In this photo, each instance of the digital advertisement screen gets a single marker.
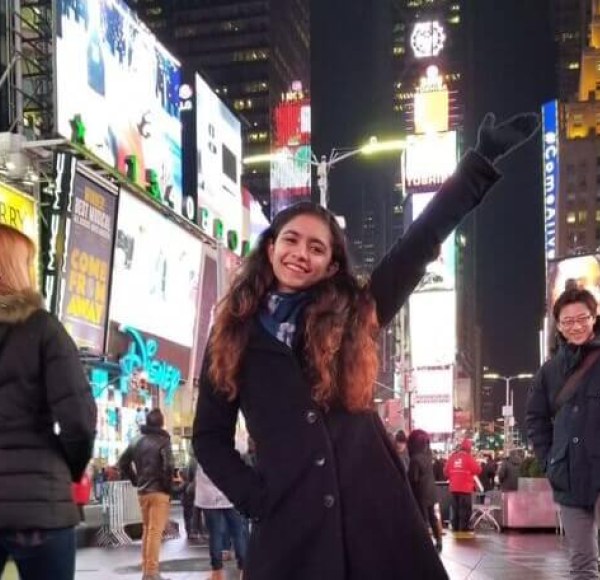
(430, 160)
(219, 146)
(155, 273)
(441, 273)
(291, 170)
(88, 262)
(551, 133)
(432, 328)
(124, 85)
(433, 409)
(18, 211)
(579, 271)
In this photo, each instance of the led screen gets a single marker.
(156, 269)
(432, 408)
(124, 86)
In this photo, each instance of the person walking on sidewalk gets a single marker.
(563, 424)
(223, 522)
(294, 346)
(422, 482)
(42, 387)
(461, 470)
(148, 464)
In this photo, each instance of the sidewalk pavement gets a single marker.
(488, 556)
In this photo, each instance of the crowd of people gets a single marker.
(293, 347)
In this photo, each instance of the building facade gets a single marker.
(249, 51)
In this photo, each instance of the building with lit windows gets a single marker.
(571, 20)
(572, 158)
(250, 52)
(428, 32)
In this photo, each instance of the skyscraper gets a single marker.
(249, 51)
(571, 20)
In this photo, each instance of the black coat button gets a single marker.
(328, 501)
(311, 416)
(575, 440)
(320, 461)
(575, 409)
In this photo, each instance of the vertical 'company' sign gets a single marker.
(551, 175)
(88, 263)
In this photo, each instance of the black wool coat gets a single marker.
(567, 442)
(42, 383)
(420, 476)
(329, 494)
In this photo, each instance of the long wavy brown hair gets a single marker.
(340, 324)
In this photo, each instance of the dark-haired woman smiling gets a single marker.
(294, 347)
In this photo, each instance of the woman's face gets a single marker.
(301, 254)
(576, 323)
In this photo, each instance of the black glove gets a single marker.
(496, 141)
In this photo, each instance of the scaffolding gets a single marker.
(30, 68)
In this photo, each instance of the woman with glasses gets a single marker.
(563, 422)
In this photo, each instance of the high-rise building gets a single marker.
(249, 51)
(572, 157)
(571, 19)
(428, 32)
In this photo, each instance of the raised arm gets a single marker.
(213, 440)
(401, 269)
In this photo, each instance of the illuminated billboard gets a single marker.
(432, 328)
(18, 211)
(440, 273)
(124, 86)
(88, 263)
(578, 271)
(430, 160)
(550, 129)
(291, 170)
(214, 173)
(427, 39)
(155, 283)
(432, 103)
(432, 406)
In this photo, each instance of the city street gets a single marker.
(489, 556)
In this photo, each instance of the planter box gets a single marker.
(531, 506)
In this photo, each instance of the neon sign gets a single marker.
(551, 175)
(140, 357)
(427, 39)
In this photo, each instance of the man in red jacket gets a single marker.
(461, 470)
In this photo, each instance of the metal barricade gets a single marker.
(119, 507)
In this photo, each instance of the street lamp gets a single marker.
(324, 163)
(507, 411)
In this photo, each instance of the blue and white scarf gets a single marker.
(281, 314)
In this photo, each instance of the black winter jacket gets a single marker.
(567, 444)
(42, 386)
(420, 476)
(329, 492)
(148, 461)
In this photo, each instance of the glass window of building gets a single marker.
(571, 218)
(582, 216)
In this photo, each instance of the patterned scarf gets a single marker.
(281, 314)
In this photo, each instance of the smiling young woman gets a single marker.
(294, 348)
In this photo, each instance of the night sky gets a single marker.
(510, 68)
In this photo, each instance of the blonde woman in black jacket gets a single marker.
(47, 423)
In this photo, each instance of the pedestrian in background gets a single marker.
(563, 423)
(400, 440)
(223, 522)
(48, 423)
(148, 464)
(439, 463)
(294, 346)
(422, 482)
(461, 470)
(488, 473)
(510, 471)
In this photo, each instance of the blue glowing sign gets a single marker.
(551, 175)
(140, 357)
